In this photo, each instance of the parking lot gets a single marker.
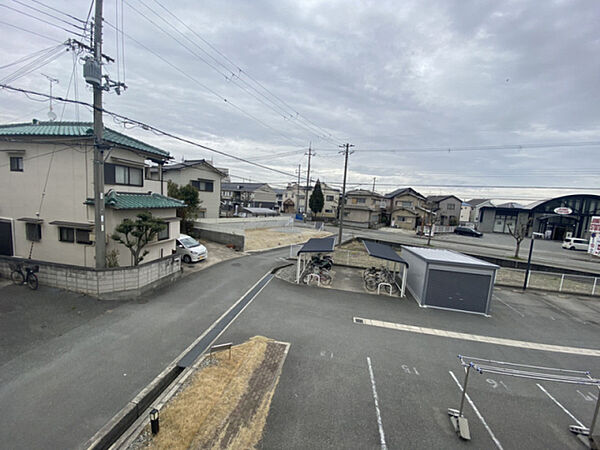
(337, 367)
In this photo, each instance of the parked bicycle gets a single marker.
(28, 277)
(373, 277)
(320, 266)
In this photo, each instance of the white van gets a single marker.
(575, 244)
(190, 249)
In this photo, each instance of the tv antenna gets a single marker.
(51, 114)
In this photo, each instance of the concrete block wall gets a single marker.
(116, 283)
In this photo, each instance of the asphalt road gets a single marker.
(325, 395)
(491, 244)
(59, 390)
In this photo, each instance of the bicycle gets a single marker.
(18, 277)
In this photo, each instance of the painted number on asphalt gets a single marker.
(495, 384)
(409, 370)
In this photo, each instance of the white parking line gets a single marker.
(379, 422)
(506, 304)
(559, 405)
(480, 338)
(487, 427)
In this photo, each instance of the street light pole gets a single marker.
(533, 236)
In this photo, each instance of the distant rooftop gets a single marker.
(84, 130)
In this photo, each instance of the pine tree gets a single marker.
(316, 200)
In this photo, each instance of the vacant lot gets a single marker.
(263, 238)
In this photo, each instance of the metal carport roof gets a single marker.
(383, 251)
(318, 245)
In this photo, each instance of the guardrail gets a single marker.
(550, 281)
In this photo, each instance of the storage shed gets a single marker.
(446, 279)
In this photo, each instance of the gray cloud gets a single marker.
(381, 75)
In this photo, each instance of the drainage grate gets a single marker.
(357, 320)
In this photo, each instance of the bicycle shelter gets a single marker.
(314, 245)
(569, 376)
(387, 253)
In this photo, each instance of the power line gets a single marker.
(228, 76)
(42, 20)
(481, 148)
(49, 15)
(239, 70)
(29, 31)
(146, 126)
(58, 11)
(212, 91)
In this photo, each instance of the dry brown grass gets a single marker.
(195, 417)
(262, 238)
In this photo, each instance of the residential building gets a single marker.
(254, 195)
(405, 208)
(46, 192)
(363, 208)
(203, 176)
(476, 205)
(465, 213)
(279, 196)
(331, 198)
(447, 208)
(557, 218)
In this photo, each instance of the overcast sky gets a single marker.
(407, 76)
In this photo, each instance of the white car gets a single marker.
(190, 249)
(575, 244)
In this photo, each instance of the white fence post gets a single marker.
(562, 280)
(594, 286)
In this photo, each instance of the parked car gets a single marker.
(466, 231)
(575, 244)
(190, 249)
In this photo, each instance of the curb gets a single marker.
(127, 416)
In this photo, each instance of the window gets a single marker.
(407, 204)
(16, 164)
(164, 234)
(361, 200)
(329, 198)
(117, 174)
(450, 206)
(83, 236)
(329, 211)
(33, 231)
(66, 234)
(400, 218)
(203, 185)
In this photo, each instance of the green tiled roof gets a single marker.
(138, 200)
(79, 129)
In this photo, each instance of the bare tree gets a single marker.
(519, 233)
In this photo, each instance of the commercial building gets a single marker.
(556, 218)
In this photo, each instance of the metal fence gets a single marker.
(559, 282)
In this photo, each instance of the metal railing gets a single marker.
(551, 281)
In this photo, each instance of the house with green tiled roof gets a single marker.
(46, 183)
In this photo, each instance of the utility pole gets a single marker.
(307, 179)
(99, 223)
(346, 151)
(374, 178)
(298, 192)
